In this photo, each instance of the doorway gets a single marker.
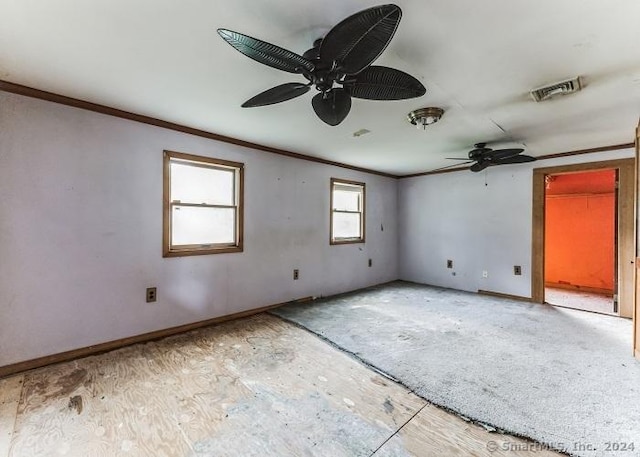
(580, 240)
(615, 281)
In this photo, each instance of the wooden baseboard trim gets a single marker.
(501, 295)
(143, 338)
(592, 290)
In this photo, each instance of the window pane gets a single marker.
(346, 225)
(192, 184)
(195, 225)
(346, 200)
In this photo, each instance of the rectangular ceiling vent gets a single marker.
(561, 88)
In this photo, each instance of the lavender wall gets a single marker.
(81, 227)
(481, 221)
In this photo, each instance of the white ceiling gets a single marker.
(478, 61)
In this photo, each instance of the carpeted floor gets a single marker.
(559, 376)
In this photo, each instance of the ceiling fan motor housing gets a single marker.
(479, 152)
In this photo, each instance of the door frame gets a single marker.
(625, 239)
(636, 298)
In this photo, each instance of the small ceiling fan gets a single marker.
(485, 157)
(342, 58)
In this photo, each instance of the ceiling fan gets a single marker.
(485, 157)
(342, 58)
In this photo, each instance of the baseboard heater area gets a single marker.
(568, 286)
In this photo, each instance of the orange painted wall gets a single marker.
(580, 229)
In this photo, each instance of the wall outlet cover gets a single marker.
(152, 294)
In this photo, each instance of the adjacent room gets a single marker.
(579, 208)
(337, 228)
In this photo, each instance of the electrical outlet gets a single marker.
(152, 294)
(485, 274)
(296, 274)
(449, 263)
(370, 263)
(517, 270)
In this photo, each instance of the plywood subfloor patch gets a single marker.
(254, 387)
(435, 432)
(10, 389)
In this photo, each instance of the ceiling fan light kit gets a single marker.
(342, 58)
(425, 116)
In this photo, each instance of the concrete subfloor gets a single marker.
(258, 386)
(577, 299)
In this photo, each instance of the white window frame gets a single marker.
(358, 187)
(170, 250)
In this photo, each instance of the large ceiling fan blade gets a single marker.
(515, 159)
(479, 166)
(277, 94)
(452, 166)
(358, 40)
(266, 53)
(333, 106)
(500, 154)
(384, 83)
(459, 158)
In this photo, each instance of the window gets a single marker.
(202, 205)
(347, 211)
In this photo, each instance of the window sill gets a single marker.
(206, 251)
(346, 241)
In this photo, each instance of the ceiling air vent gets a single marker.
(561, 88)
